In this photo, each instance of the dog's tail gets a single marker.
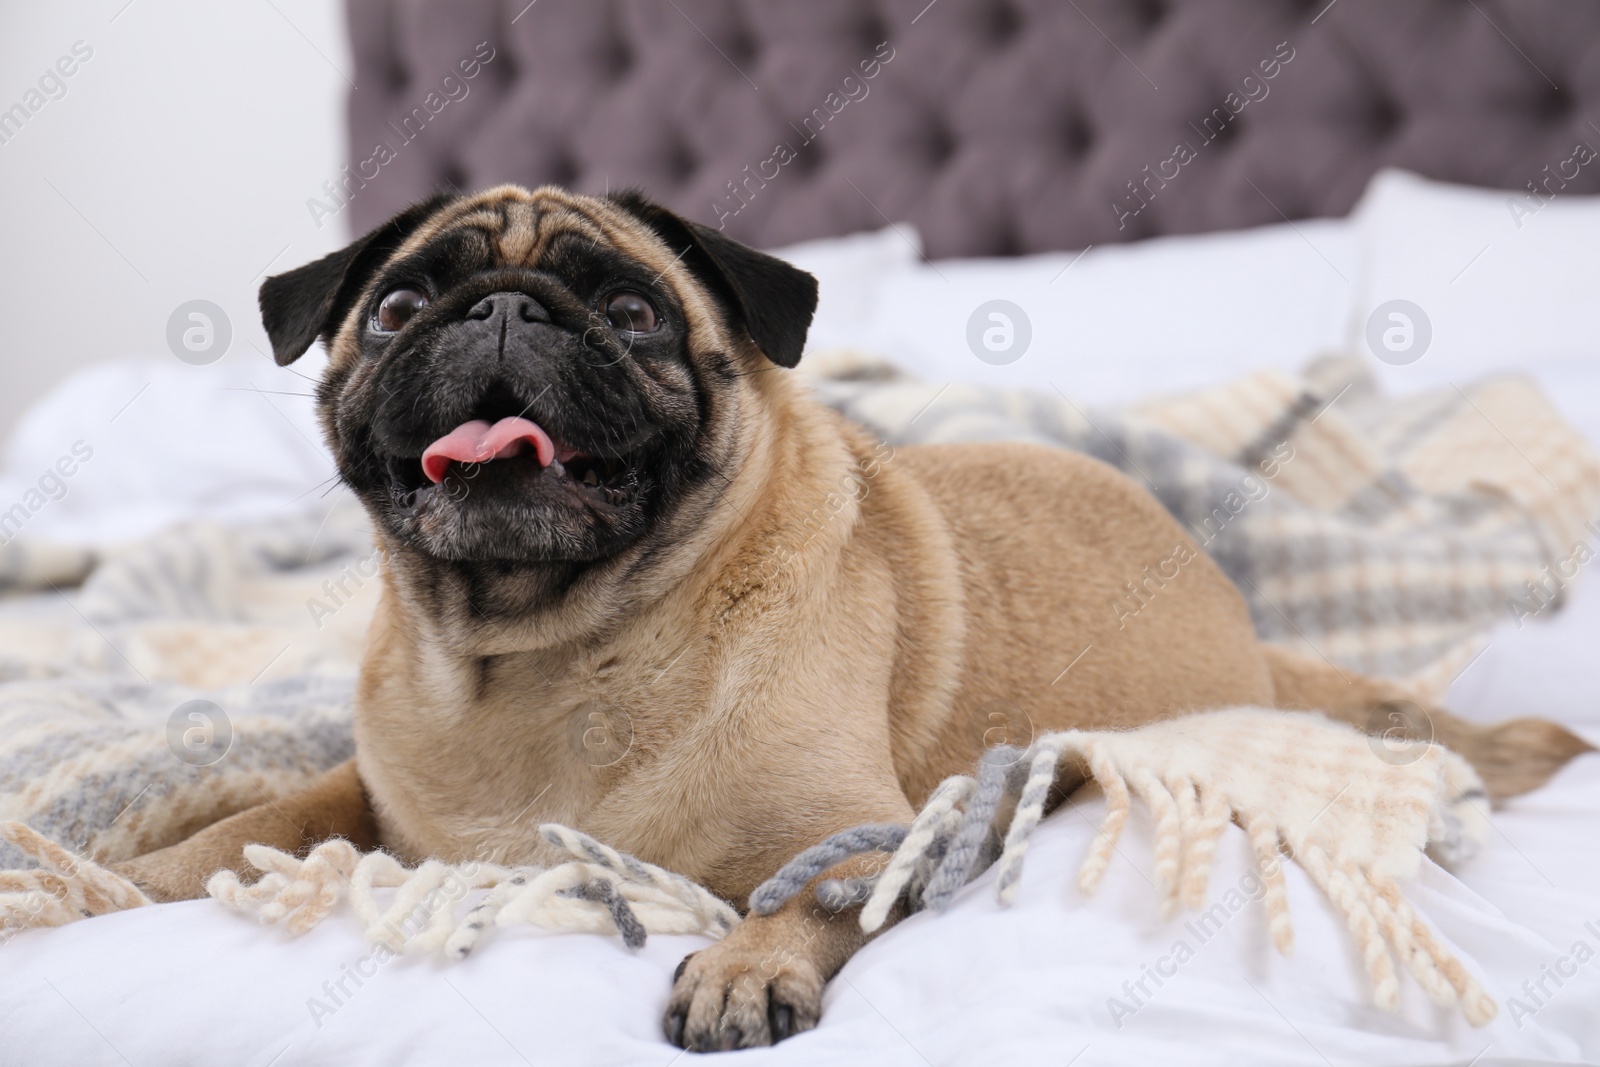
(1512, 757)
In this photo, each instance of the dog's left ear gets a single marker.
(771, 300)
(313, 300)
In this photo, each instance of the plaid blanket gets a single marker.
(1387, 535)
(146, 689)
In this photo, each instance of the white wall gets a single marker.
(181, 156)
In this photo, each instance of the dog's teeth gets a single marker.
(590, 477)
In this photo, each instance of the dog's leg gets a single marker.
(1512, 757)
(763, 982)
(335, 805)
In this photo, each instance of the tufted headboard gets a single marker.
(995, 126)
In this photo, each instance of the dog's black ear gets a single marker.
(772, 300)
(313, 300)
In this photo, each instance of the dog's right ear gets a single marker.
(311, 301)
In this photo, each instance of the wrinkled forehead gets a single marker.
(514, 227)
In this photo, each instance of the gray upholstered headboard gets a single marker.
(995, 126)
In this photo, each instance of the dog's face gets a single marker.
(536, 378)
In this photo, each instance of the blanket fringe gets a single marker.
(66, 888)
(600, 890)
(944, 847)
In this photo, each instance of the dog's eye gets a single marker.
(627, 310)
(398, 308)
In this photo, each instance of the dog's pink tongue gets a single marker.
(479, 442)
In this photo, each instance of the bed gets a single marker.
(999, 150)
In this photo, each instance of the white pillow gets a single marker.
(152, 441)
(1503, 280)
(848, 272)
(1114, 323)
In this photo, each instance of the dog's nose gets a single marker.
(508, 305)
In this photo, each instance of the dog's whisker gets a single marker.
(275, 392)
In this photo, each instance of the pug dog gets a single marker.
(608, 511)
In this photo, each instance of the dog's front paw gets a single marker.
(736, 994)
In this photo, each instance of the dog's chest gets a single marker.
(465, 760)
